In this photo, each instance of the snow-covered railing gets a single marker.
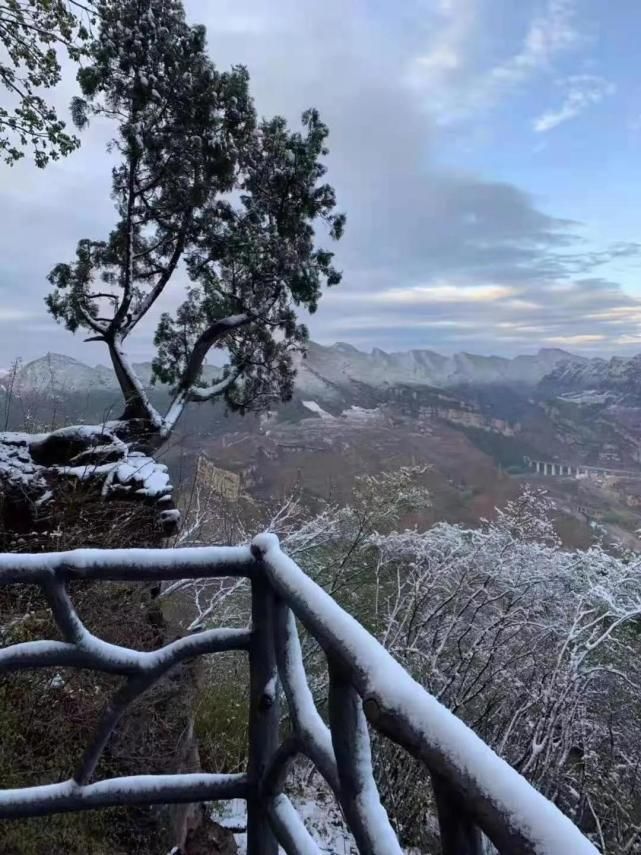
(475, 790)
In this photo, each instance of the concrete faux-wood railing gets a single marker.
(475, 790)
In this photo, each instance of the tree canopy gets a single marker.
(206, 187)
(31, 33)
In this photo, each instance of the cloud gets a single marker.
(8, 315)
(444, 294)
(581, 92)
(593, 315)
(433, 256)
(573, 340)
(458, 82)
(549, 34)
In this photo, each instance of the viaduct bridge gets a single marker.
(562, 469)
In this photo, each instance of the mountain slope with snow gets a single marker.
(327, 371)
(618, 377)
(62, 374)
(342, 364)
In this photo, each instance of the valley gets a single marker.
(475, 422)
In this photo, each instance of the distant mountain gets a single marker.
(57, 373)
(618, 378)
(336, 371)
(342, 364)
(62, 374)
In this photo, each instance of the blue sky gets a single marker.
(486, 153)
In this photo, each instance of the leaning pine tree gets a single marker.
(203, 187)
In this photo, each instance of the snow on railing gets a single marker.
(475, 790)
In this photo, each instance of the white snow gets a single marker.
(132, 472)
(386, 681)
(283, 810)
(57, 681)
(140, 564)
(301, 703)
(589, 396)
(269, 692)
(144, 474)
(360, 413)
(109, 791)
(316, 408)
(16, 465)
(104, 656)
(317, 810)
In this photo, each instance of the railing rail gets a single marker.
(474, 789)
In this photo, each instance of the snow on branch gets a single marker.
(83, 649)
(194, 393)
(508, 809)
(366, 683)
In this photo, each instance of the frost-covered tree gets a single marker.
(535, 647)
(205, 187)
(31, 34)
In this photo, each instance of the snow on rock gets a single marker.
(590, 396)
(17, 468)
(57, 681)
(326, 369)
(32, 464)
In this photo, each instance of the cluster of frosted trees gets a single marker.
(535, 647)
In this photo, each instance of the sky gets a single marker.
(486, 153)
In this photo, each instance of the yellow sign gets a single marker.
(219, 481)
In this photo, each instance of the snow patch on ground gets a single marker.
(317, 809)
(590, 396)
(360, 413)
(316, 408)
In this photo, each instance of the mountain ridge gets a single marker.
(342, 364)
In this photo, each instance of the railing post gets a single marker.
(459, 834)
(263, 715)
(365, 815)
